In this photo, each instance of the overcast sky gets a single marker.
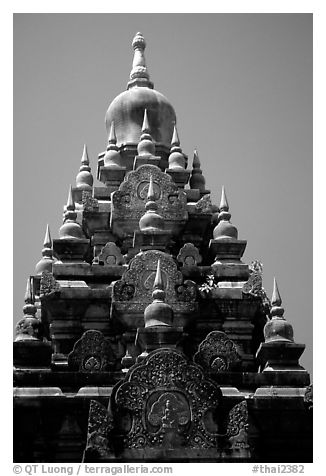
(241, 86)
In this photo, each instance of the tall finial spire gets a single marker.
(112, 157)
(197, 180)
(146, 145)
(276, 301)
(45, 263)
(84, 179)
(151, 220)
(277, 328)
(176, 157)
(70, 228)
(224, 229)
(139, 75)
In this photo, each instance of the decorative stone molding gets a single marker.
(48, 284)
(217, 353)
(111, 255)
(189, 255)
(204, 205)
(91, 353)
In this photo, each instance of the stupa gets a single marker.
(145, 335)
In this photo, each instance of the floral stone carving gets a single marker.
(48, 284)
(189, 255)
(99, 426)
(167, 398)
(204, 205)
(134, 291)
(237, 428)
(217, 353)
(91, 353)
(128, 203)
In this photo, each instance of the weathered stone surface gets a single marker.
(91, 353)
(111, 255)
(217, 353)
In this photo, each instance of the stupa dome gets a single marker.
(127, 109)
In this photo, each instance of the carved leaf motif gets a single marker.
(48, 284)
(91, 353)
(238, 419)
(217, 352)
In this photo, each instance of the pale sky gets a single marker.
(241, 86)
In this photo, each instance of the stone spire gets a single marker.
(224, 229)
(146, 145)
(277, 329)
(176, 157)
(28, 328)
(45, 263)
(159, 313)
(139, 75)
(84, 179)
(151, 220)
(197, 180)
(112, 156)
(70, 229)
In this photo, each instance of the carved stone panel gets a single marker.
(111, 255)
(133, 292)
(168, 399)
(128, 203)
(91, 353)
(237, 429)
(189, 255)
(217, 353)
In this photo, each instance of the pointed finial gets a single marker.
(70, 201)
(276, 301)
(151, 221)
(84, 179)
(29, 298)
(151, 193)
(112, 135)
(146, 145)
(45, 263)
(112, 157)
(176, 157)
(158, 287)
(175, 138)
(197, 180)
(70, 228)
(224, 229)
(139, 75)
(85, 159)
(277, 328)
(47, 239)
(224, 206)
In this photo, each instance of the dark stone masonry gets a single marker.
(145, 336)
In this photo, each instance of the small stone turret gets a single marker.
(46, 262)
(224, 229)
(84, 179)
(197, 180)
(70, 229)
(146, 146)
(112, 157)
(29, 348)
(279, 352)
(177, 161)
(139, 75)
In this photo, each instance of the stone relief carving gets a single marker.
(136, 286)
(110, 255)
(308, 397)
(99, 426)
(48, 284)
(237, 427)
(90, 203)
(254, 285)
(189, 255)
(91, 353)
(167, 397)
(128, 203)
(204, 205)
(217, 352)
